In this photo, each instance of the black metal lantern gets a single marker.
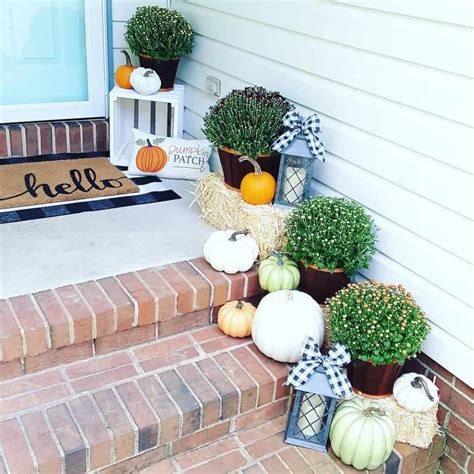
(313, 409)
(295, 173)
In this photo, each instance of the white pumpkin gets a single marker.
(230, 251)
(145, 81)
(415, 392)
(283, 320)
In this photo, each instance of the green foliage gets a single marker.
(155, 141)
(378, 323)
(331, 233)
(248, 120)
(160, 33)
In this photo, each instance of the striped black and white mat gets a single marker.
(152, 190)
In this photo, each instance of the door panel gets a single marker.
(51, 59)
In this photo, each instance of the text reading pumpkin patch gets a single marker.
(169, 157)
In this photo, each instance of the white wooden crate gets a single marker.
(160, 114)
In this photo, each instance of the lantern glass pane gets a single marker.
(312, 418)
(294, 179)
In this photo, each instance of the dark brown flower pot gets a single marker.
(234, 171)
(166, 70)
(321, 284)
(374, 381)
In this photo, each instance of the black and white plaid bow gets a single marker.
(332, 362)
(310, 128)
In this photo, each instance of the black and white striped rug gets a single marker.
(152, 190)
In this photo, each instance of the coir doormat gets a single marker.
(134, 190)
(45, 182)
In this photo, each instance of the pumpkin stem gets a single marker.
(148, 73)
(128, 61)
(256, 166)
(374, 411)
(148, 142)
(420, 382)
(233, 237)
(279, 256)
(240, 304)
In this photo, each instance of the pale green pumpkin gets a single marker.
(362, 434)
(278, 272)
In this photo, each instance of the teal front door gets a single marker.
(52, 59)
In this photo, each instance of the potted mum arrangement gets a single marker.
(331, 238)
(159, 37)
(382, 326)
(246, 122)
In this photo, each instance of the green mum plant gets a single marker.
(160, 33)
(378, 323)
(331, 233)
(247, 121)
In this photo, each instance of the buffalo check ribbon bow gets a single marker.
(332, 363)
(309, 127)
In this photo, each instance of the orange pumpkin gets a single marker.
(123, 72)
(235, 318)
(151, 158)
(258, 187)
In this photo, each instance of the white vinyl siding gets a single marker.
(393, 85)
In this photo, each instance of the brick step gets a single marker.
(122, 411)
(44, 138)
(78, 321)
(261, 449)
(167, 396)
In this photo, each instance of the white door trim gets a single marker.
(95, 106)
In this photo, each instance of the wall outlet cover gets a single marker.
(213, 85)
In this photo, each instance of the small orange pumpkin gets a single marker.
(258, 187)
(235, 318)
(123, 72)
(151, 158)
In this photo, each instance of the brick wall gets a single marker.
(42, 138)
(455, 415)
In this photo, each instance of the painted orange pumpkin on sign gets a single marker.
(151, 158)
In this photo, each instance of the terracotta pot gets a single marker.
(321, 283)
(373, 381)
(234, 171)
(166, 70)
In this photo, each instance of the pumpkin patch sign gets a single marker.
(169, 157)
